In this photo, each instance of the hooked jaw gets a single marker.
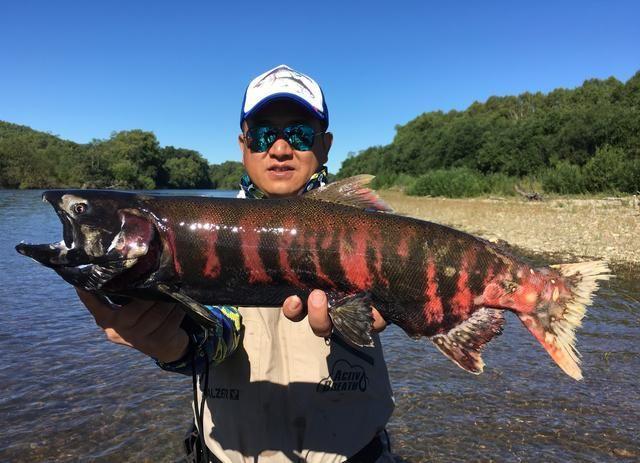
(50, 255)
(91, 255)
(53, 254)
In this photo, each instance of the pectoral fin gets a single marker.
(463, 343)
(351, 317)
(193, 308)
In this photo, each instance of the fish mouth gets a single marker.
(67, 229)
(64, 253)
(134, 253)
(53, 198)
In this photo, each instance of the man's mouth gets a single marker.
(280, 168)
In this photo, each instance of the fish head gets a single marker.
(104, 233)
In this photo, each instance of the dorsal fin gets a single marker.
(463, 343)
(352, 191)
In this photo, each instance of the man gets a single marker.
(292, 391)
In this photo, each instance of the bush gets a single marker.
(610, 170)
(500, 184)
(453, 183)
(564, 178)
(384, 180)
(405, 181)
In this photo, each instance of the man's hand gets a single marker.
(318, 313)
(152, 327)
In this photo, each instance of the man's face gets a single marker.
(282, 171)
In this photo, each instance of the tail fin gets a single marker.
(554, 321)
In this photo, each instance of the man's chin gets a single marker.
(281, 192)
(278, 184)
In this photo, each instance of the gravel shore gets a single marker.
(568, 228)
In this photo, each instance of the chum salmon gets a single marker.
(429, 279)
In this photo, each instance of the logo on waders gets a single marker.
(223, 393)
(344, 377)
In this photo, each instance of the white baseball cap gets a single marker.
(284, 82)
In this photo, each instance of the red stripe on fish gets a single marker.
(462, 300)
(490, 273)
(249, 242)
(326, 241)
(212, 265)
(432, 308)
(403, 246)
(286, 241)
(171, 241)
(375, 240)
(353, 259)
(311, 243)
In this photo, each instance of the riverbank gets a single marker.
(565, 227)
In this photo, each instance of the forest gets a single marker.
(569, 141)
(128, 159)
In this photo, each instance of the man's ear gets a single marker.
(327, 140)
(242, 145)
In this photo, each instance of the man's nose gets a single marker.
(280, 149)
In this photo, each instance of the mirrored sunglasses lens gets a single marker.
(261, 138)
(300, 137)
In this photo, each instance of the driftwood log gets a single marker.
(533, 196)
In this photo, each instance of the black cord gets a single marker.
(199, 409)
(388, 439)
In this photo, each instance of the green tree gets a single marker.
(183, 168)
(133, 157)
(530, 134)
(226, 176)
(186, 173)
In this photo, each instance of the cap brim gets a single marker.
(284, 96)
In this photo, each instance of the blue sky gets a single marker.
(84, 69)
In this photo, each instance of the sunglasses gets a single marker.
(299, 136)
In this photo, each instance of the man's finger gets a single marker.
(102, 312)
(114, 336)
(318, 310)
(153, 318)
(379, 323)
(130, 314)
(293, 309)
(170, 324)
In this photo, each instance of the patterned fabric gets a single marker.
(214, 344)
(251, 191)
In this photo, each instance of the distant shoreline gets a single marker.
(598, 228)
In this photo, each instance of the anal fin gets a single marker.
(351, 317)
(463, 343)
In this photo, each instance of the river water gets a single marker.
(66, 394)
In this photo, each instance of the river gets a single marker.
(68, 395)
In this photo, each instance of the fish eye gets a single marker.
(79, 208)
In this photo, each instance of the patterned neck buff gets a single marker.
(249, 190)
